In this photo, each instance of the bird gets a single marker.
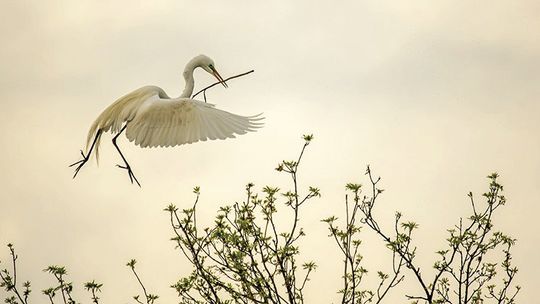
(150, 118)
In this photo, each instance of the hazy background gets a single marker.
(434, 95)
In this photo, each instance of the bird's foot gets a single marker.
(130, 173)
(79, 163)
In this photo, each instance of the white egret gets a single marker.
(151, 118)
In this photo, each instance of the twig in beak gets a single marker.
(221, 81)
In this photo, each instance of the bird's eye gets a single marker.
(211, 66)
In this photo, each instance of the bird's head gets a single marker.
(209, 66)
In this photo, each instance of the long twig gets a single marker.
(212, 85)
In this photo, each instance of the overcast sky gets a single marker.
(434, 95)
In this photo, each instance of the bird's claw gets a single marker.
(130, 173)
(80, 163)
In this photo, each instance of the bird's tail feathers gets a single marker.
(94, 133)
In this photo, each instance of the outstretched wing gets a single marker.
(172, 122)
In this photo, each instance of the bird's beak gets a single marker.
(216, 74)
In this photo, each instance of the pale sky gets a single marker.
(434, 95)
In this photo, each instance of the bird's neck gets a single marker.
(190, 82)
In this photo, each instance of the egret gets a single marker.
(152, 119)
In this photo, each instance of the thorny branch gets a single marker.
(244, 258)
(93, 287)
(9, 281)
(461, 274)
(149, 298)
(65, 288)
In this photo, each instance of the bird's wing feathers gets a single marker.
(123, 109)
(171, 122)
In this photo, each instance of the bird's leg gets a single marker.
(126, 164)
(85, 158)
